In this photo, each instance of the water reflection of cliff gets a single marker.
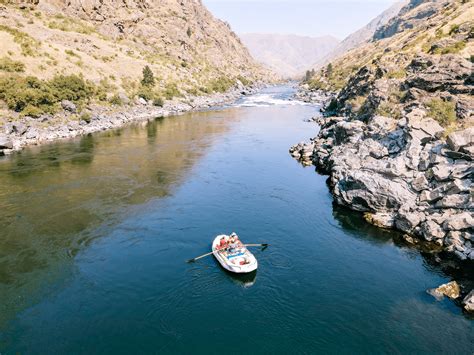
(54, 198)
(440, 263)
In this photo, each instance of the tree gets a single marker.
(329, 69)
(308, 76)
(148, 77)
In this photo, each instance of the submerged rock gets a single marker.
(451, 290)
(468, 302)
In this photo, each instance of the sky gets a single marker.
(338, 18)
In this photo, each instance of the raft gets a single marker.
(238, 260)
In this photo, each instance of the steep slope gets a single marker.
(288, 55)
(363, 35)
(399, 140)
(110, 42)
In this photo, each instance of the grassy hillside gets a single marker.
(423, 59)
(53, 48)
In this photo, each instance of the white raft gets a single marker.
(239, 260)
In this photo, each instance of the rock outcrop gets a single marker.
(395, 169)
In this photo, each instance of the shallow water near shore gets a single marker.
(95, 231)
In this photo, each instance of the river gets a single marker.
(95, 231)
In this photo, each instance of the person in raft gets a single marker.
(234, 242)
(222, 244)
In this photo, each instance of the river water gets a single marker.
(95, 231)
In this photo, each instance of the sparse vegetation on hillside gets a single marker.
(68, 24)
(11, 66)
(28, 44)
(157, 60)
(442, 111)
(389, 77)
(221, 84)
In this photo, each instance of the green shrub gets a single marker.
(221, 84)
(86, 117)
(454, 48)
(244, 80)
(158, 102)
(32, 96)
(454, 29)
(171, 90)
(397, 74)
(71, 53)
(71, 87)
(148, 77)
(388, 109)
(27, 94)
(11, 66)
(116, 100)
(146, 93)
(442, 111)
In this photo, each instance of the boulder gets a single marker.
(124, 98)
(382, 220)
(432, 230)
(441, 172)
(420, 135)
(454, 201)
(68, 106)
(19, 128)
(368, 191)
(459, 221)
(458, 186)
(5, 142)
(31, 133)
(451, 289)
(348, 131)
(468, 302)
(408, 219)
(427, 125)
(469, 150)
(460, 139)
(457, 155)
(454, 238)
(419, 183)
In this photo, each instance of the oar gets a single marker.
(264, 245)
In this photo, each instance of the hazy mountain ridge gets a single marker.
(288, 55)
(362, 35)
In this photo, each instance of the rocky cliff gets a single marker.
(397, 138)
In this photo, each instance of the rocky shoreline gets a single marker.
(402, 174)
(27, 131)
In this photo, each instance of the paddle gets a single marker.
(264, 245)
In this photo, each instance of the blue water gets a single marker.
(94, 234)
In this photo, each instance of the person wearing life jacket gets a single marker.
(234, 242)
(222, 244)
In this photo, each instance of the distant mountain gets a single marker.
(362, 35)
(288, 55)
